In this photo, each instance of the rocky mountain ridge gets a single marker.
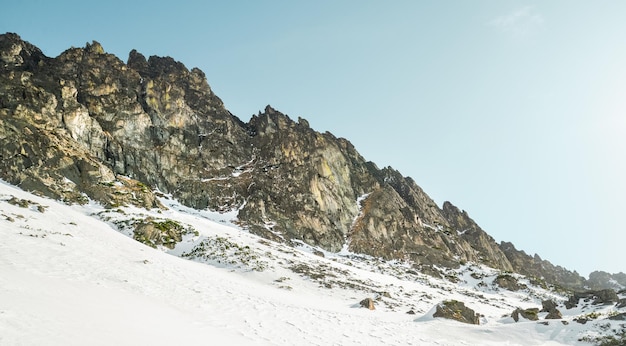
(87, 125)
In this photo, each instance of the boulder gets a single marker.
(367, 303)
(529, 314)
(456, 310)
(508, 282)
(604, 297)
(571, 302)
(165, 232)
(318, 253)
(554, 315)
(549, 306)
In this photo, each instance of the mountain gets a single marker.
(68, 277)
(87, 126)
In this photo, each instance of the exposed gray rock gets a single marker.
(367, 303)
(529, 314)
(540, 270)
(601, 280)
(581, 320)
(554, 315)
(456, 310)
(548, 305)
(604, 297)
(619, 317)
(160, 232)
(318, 253)
(474, 235)
(508, 282)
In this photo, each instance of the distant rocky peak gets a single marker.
(269, 110)
(157, 66)
(163, 66)
(94, 48)
(451, 208)
(459, 219)
(271, 121)
(15, 52)
(169, 76)
(138, 62)
(601, 279)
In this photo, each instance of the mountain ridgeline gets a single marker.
(87, 125)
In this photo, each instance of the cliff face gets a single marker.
(86, 123)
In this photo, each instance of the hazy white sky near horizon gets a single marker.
(512, 110)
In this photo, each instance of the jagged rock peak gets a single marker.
(94, 47)
(16, 52)
(459, 219)
(270, 110)
(601, 279)
(451, 208)
(155, 66)
(198, 93)
(138, 62)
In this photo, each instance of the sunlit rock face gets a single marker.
(88, 125)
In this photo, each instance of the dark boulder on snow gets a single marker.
(554, 315)
(604, 297)
(508, 282)
(549, 306)
(367, 303)
(529, 314)
(456, 310)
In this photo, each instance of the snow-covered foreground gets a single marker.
(68, 277)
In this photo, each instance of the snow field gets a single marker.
(69, 278)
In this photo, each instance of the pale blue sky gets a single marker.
(513, 110)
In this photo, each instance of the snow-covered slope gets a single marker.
(70, 275)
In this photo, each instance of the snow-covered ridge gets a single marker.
(72, 275)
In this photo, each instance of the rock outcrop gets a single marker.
(541, 270)
(367, 303)
(618, 317)
(601, 280)
(601, 297)
(456, 310)
(508, 282)
(550, 307)
(529, 314)
(87, 125)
